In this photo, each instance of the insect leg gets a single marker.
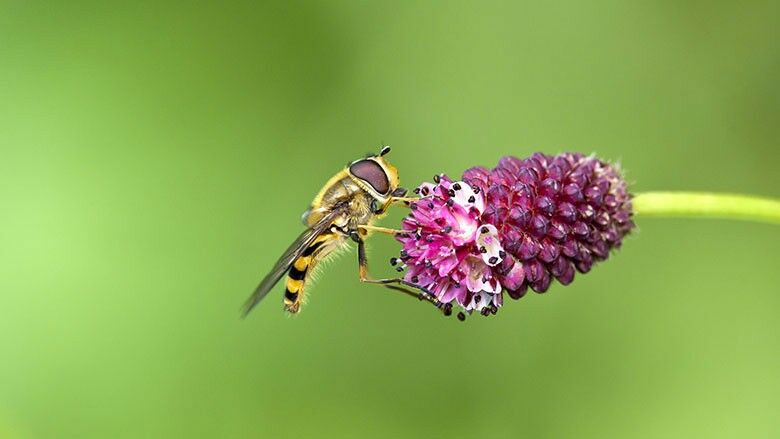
(405, 200)
(399, 196)
(366, 228)
(396, 284)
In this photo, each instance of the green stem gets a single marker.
(703, 204)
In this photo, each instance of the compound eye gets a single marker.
(373, 174)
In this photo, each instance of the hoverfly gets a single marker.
(345, 208)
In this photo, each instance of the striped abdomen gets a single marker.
(301, 269)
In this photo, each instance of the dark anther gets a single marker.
(456, 186)
(457, 284)
(399, 268)
(447, 309)
(393, 261)
(472, 199)
(493, 260)
(501, 254)
(424, 191)
(415, 279)
(482, 249)
(417, 191)
(447, 229)
(450, 202)
(413, 206)
(493, 308)
(437, 178)
(430, 205)
(485, 311)
(404, 254)
(428, 264)
(476, 190)
(400, 192)
(429, 238)
(461, 316)
(484, 279)
(418, 235)
(477, 298)
(451, 193)
(484, 229)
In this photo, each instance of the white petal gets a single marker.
(426, 189)
(487, 239)
(467, 197)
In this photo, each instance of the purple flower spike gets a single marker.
(517, 226)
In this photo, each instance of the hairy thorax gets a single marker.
(344, 193)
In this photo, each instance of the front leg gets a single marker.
(365, 229)
(405, 200)
(399, 196)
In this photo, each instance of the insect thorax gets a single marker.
(338, 192)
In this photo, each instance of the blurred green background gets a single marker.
(155, 159)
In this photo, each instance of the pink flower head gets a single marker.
(521, 224)
(449, 249)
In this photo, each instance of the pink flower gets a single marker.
(518, 225)
(450, 250)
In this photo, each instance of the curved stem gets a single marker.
(703, 204)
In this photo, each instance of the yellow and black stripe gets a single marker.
(299, 270)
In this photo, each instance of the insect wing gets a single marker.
(290, 255)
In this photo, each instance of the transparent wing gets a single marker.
(288, 257)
